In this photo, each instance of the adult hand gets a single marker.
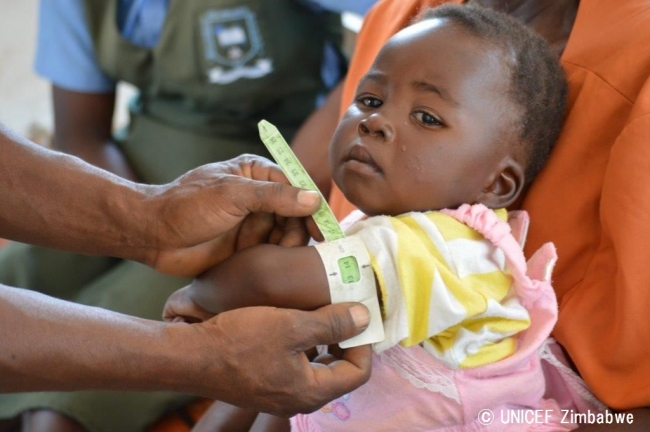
(261, 362)
(252, 357)
(217, 209)
(180, 228)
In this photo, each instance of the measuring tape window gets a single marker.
(351, 279)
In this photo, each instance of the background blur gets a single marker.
(24, 97)
(25, 104)
(25, 101)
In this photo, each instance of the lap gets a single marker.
(131, 288)
(52, 272)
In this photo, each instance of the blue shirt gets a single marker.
(65, 54)
(357, 6)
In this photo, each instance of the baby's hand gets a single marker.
(180, 307)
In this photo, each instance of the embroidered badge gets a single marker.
(233, 45)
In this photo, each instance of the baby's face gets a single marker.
(428, 125)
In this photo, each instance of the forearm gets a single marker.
(84, 128)
(102, 153)
(55, 345)
(52, 199)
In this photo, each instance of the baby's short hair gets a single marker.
(537, 82)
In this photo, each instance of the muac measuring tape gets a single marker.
(346, 259)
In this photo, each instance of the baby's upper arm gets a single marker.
(265, 275)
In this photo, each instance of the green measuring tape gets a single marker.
(348, 278)
(298, 177)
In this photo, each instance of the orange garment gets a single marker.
(593, 198)
(181, 419)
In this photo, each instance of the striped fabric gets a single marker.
(443, 285)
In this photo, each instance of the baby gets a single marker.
(455, 118)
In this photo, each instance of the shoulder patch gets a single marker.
(233, 46)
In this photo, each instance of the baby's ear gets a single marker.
(504, 185)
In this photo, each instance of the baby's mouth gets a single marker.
(361, 155)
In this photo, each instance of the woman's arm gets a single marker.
(83, 124)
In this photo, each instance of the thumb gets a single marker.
(278, 198)
(332, 324)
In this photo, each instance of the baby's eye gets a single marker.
(370, 102)
(427, 119)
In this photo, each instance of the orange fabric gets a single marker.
(593, 201)
(174, 423)
(593, 198)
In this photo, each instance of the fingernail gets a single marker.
(360, 316)
(307, 198)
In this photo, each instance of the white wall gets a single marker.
(24, 97)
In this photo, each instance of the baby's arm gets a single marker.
(264, 275)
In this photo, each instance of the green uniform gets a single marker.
(220, 66)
